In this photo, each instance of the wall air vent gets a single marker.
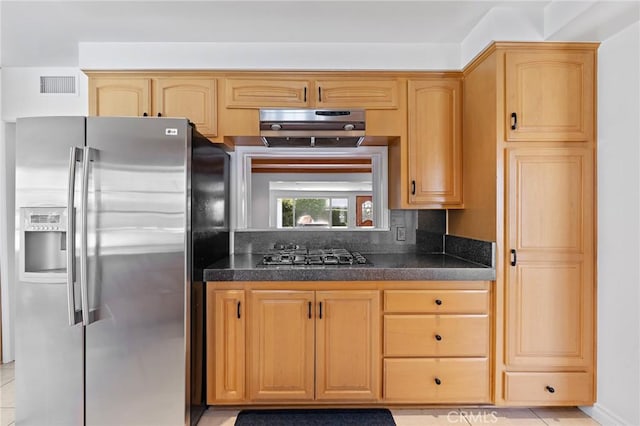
(58, 85)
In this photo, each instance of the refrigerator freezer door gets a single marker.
(137, 275)
(49, 352)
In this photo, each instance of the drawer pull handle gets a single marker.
(438, 302)
(438, 337)
(309, 311)
(550, 389)
(438, 381)
(238, 313)
(514, 121)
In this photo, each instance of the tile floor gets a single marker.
(450, 417)
(7, 401)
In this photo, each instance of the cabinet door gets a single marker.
(369, 94)
(193, 98)
(435, 147)
(121, 97)
(282, 345)
(348, 345)
(225, 345)
(550, 94)
(264, 93)
(550, 275)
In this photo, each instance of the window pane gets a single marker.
(286, 212)
(339, 211)
(311, 211)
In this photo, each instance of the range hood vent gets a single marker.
(296, 128)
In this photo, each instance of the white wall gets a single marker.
(7, 206)
(261, 56)
(21, 96)
(619, 230)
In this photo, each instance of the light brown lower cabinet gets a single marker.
(225, 346)
(436, 335)
(321, 345)
(288, 345)
(281, 348)
(436, 380)
(525, 388)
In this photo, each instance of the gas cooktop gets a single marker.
(301, 256)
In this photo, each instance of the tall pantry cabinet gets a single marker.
(529, 182)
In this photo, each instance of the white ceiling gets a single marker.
(47, 33)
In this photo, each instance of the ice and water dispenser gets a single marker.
(43, 249)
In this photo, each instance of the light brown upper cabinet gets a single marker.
(549, 95)
(265, 93)
(193, 98)
(357, 93)
(284, 92)
(435, 142)
(190, 97)
(120, 97)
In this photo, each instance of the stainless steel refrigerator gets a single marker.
(115, 220)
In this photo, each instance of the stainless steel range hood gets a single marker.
(295, 128)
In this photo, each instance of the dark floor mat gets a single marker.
(316, 417)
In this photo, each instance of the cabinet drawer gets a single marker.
(549, 388)
(436, 335)
(415, 380)
(437, 301)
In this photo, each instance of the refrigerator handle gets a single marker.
(71, 236)
(84, 255)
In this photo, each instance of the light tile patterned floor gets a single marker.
(7, 395)
(452, 417)
(410, 417)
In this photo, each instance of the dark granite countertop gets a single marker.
(384, 267)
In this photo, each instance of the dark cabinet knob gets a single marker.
(438, 302)
(438, 381)
(144, 114)
(438, 337)
(159, 114)
(413, 187)
(550, 389)
(238, 312)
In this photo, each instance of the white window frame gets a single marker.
(275, 213)
(241, 178)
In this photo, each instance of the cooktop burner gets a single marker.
(300, 256)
